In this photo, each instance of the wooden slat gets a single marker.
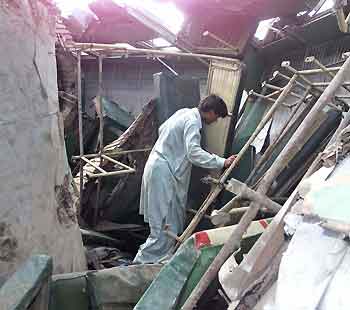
(93, 164)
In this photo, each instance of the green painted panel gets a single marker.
(166, 288)
(205, 259)
(69, 292)
(19, 291)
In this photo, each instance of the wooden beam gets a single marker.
(239, 188)
(93, 164)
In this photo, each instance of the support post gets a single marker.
(100, 134)
(81, 136)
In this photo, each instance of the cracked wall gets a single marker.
(37, 215)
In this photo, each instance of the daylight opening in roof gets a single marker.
(166, 12)
(263, 28)
(68, 6)
(160, 42)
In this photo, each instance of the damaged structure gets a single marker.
(83, 99)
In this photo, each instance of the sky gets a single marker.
(166, 12)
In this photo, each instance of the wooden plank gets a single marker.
(108, 174)
(93, 164)
(116, 162)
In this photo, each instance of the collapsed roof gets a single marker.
(210, 26)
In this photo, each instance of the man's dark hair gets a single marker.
(213, 103)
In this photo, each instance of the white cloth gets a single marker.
(308, 268)
(166, 180)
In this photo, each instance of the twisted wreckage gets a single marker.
(269, 232)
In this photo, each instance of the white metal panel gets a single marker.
(223, 80)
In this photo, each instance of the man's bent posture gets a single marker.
(167, 175)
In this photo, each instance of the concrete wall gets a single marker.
(37, 214)
(129, 82)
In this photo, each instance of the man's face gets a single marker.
(210, 117)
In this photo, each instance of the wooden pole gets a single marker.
(313, 59)
(117, 50)
(116, 153)
(216, 191)
(317, 71)
(81, 135)
(298, 139)
(239, 188)
(108, 174)
(263, 160)
(231, 245)
(93, 164)
(233, 242)
(100, 134)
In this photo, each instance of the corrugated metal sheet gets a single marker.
(223, 80)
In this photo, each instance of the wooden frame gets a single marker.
(103, 173)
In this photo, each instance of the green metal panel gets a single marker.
(163, 293)
(20, 290)
(174, 93)
(253, 113)
(181, 274)
(120, 288)
(205, 259)
(69, 292)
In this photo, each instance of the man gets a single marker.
(167, 175)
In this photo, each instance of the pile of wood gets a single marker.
(119, 197)
(259, 269)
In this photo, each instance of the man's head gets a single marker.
(211, 108)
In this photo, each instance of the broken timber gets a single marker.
(239, 188)
(131, 148)
(260, 255)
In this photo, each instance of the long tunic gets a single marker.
(166, 180)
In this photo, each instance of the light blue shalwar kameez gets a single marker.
(166, 181)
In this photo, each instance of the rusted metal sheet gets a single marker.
(223, 80)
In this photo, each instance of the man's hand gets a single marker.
(229, 161)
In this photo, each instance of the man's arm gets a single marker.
(195, 154)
